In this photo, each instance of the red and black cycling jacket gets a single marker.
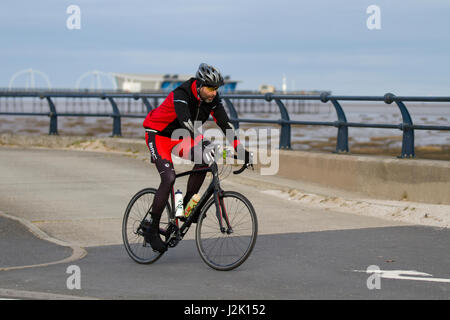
(182, 108)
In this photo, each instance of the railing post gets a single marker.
(342, 135)
(234, 115)
(405, 126)
(53, 130)
(147, 104)
(285, 134)
(117, 128)
(408, 133)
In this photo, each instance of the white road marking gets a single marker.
(405, 275)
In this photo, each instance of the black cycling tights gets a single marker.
(167, 173)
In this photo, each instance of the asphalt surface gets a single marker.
(78, 198)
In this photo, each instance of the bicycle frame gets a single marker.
(138, 226)
(214, 190)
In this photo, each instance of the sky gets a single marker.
(316, 45)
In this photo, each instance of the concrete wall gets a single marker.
(374, 176)
(381, 177)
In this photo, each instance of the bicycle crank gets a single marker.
(172, 235)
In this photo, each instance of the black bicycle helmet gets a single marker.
(209, 76)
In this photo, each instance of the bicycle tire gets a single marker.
(133, 239)
(209, 237)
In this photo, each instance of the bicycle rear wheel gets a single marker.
(137, 210)
(221, 250)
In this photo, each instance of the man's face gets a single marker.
(208, 94)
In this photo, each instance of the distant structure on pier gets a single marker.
(268, 88)
(30, 78)
(131, 82)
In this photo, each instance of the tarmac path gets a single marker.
(60, 208)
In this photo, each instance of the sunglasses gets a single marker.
(211, 89)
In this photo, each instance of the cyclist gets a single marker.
(186, 107)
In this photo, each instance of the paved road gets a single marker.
(76, 200)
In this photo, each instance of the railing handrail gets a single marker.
(285, 122)
(267, 96)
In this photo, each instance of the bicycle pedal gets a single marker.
(172, 242)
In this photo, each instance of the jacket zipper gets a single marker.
(198, 111)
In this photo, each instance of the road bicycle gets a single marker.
(226, 227)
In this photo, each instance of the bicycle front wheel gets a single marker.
(137, 210)
(227, 250)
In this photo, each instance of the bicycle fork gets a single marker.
(221, 212)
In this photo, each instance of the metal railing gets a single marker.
(342, 125)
